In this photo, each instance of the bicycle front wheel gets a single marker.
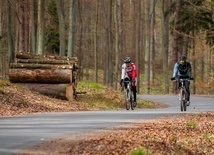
(132, 104)
(184, 102)
(127, 99)
(181, 100)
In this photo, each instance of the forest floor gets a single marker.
(184, 135)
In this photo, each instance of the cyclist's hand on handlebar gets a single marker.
(121, 82)
(172, 78)
(133, 81)
(191, 78)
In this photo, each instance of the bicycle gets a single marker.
(128, 93)
(183, 94)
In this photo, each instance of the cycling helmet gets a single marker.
(183, 58)
(127, 60)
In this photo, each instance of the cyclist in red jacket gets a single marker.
(129, 72)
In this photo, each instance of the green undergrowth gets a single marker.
(95, 96)
(3, 83)
(105, 98)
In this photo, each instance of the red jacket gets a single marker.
(129, 71)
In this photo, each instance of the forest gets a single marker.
(100, 33)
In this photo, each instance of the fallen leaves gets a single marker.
(187, 135)
(158, 136)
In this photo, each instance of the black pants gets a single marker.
(186, 85)
(134, 89)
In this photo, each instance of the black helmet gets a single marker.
(183, 58)
(127, 60)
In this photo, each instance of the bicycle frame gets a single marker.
(183, 94)
(128, 95)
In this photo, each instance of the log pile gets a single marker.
(43, 72)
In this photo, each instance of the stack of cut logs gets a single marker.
(50, 75)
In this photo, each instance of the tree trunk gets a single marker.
(95, 44)
(71, 28)
(32, 56)
(40, 32)
(22, 27)
(32, 27)
(26, 25)
(109, 40)
(11, 52)
(177, 49)
(43, 66)
(40, 75)
(137, 54)
(176, 37)
(46, 61)
(53, 90)
(116, 45)
(2, 52)
(147, 52)
(61, 16)
(80, 55)
(152, 40)
(165, 44)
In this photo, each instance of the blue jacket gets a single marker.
(182, 70)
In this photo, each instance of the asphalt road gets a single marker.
(24, 131)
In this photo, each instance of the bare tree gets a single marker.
(41, 28)
(117, 52)
(109, 43)
(71, 28)
(147, 51)
(61, 16)
(165, 43)
(22, 27)
(11, 53)
(176, 49)
(79, 54)
(33, 26)
(2, 53)
(152, 40)
(26, 25)
(108, 54)
(137, 42)
(95, 43)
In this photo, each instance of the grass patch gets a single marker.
(89, 86)
(145, 104)
(99, 102)
(208, 136)
(191, 124)
(3, 83)
(139, 152)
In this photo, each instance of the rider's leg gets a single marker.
(125, 83)
(134, 92)
(187, 84)
(178, 87)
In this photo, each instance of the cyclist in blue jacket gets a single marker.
(182, 70)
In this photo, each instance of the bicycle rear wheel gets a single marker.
(184, 105)
(132, 103)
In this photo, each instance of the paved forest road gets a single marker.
(21, 132)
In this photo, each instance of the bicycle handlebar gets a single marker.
(183, 79)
